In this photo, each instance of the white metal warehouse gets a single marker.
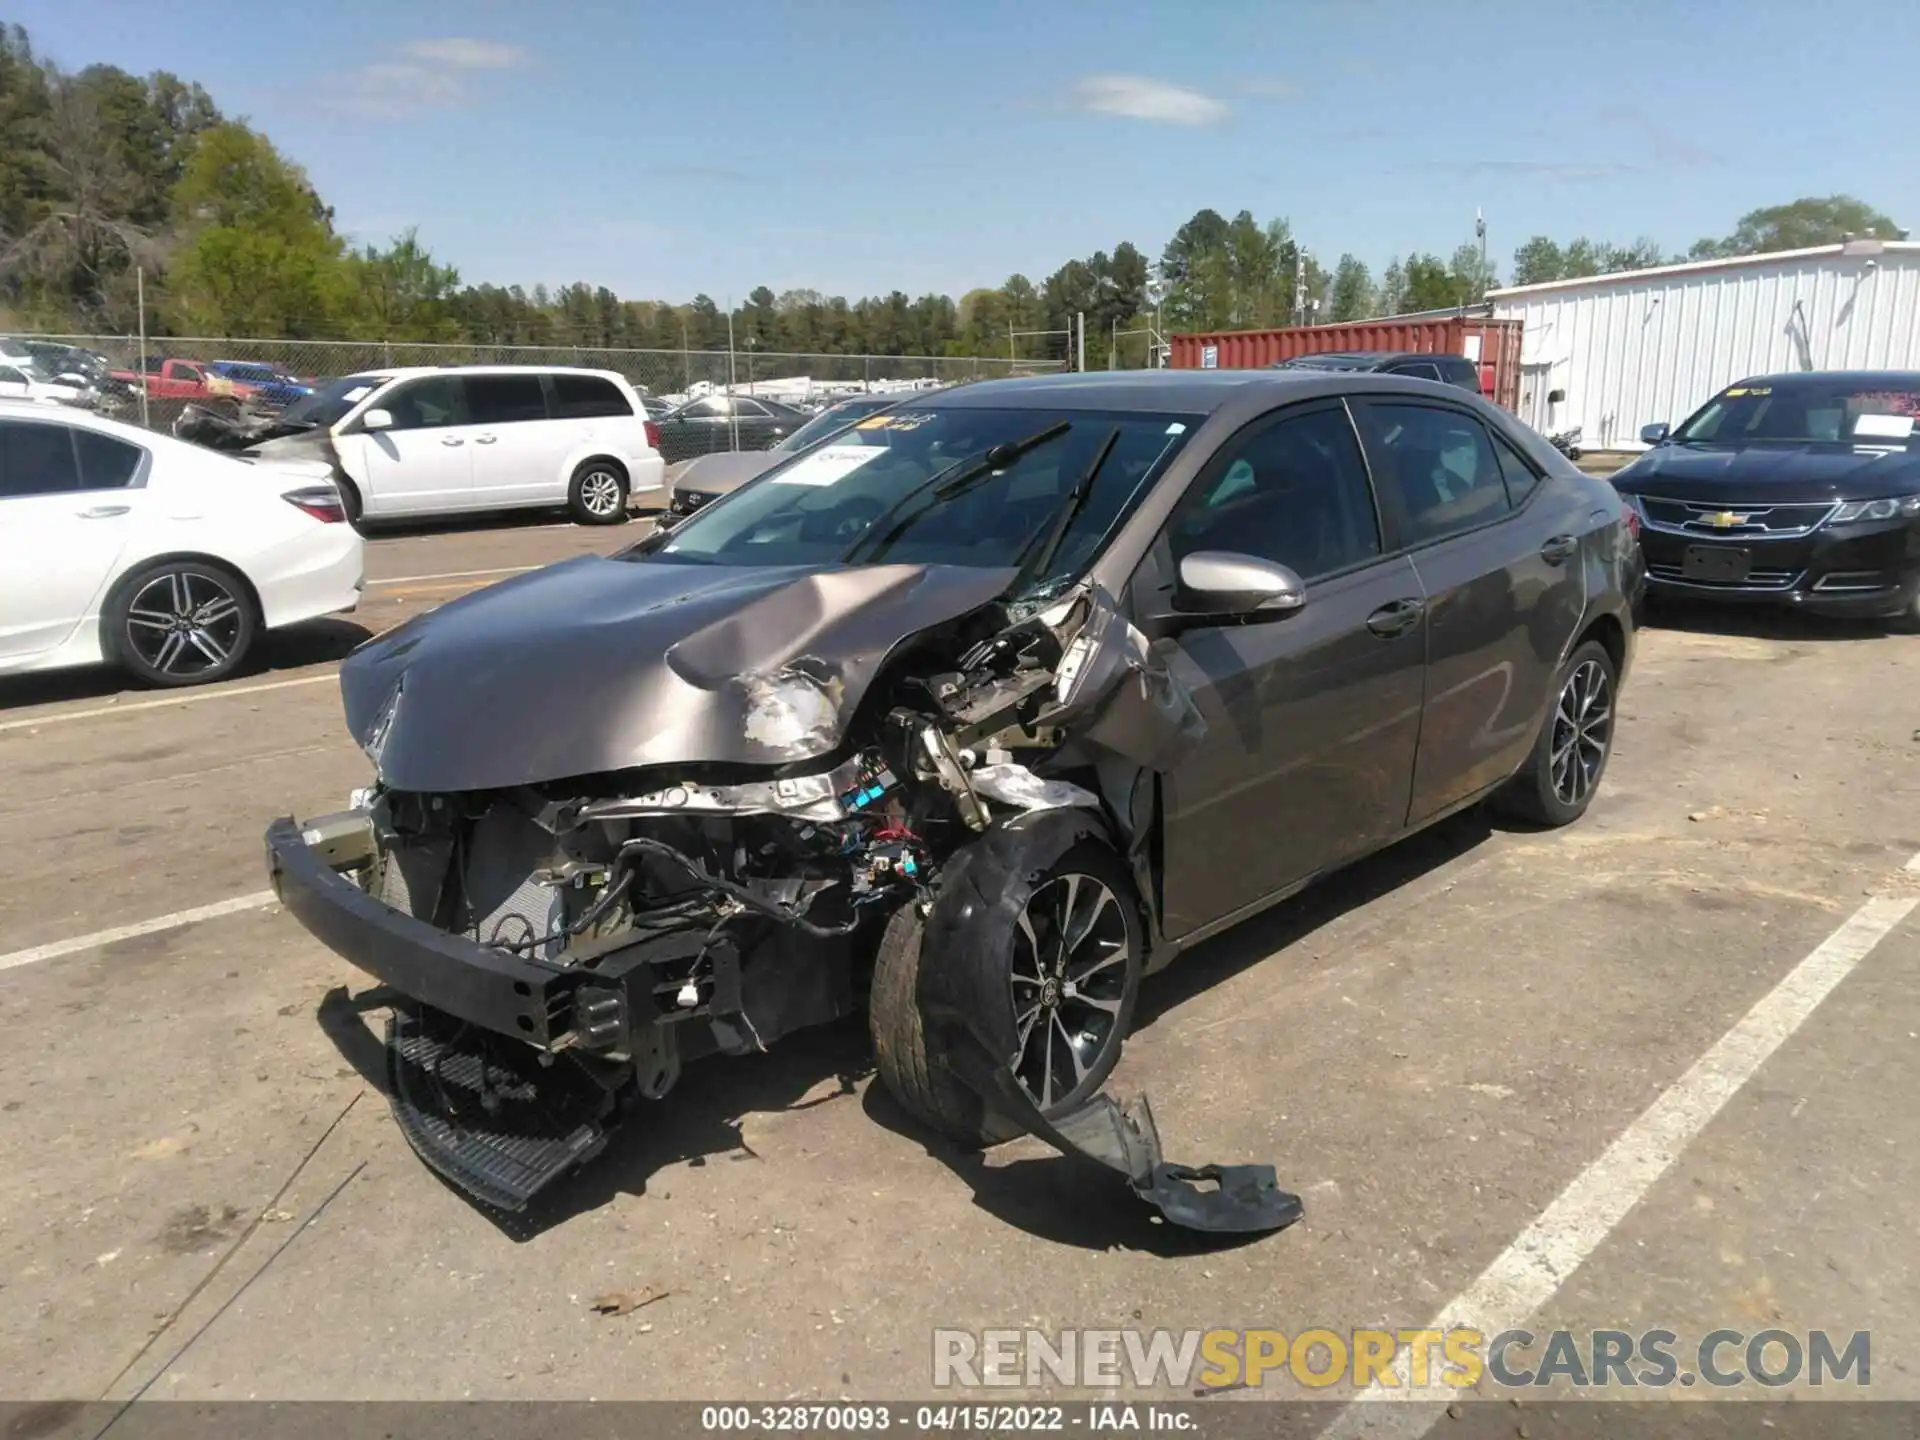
(1647, 345)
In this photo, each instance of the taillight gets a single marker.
(1631, 516)
(653, 434)
(322, 502)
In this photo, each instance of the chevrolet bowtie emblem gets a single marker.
(1724, 519)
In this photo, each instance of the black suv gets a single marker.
(1448, 369)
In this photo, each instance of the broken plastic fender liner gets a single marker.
(968, 1012)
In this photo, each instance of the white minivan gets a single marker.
(410, 442)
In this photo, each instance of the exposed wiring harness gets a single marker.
(707, 880)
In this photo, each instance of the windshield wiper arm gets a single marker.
(954, 480)
(1070, 508)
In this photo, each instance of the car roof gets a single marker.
(17, 409)
(1370, 357)
(408, 372)
(1171, 391)
(1828, 377)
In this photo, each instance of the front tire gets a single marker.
(597, 494)
(1070, 977)
(1565, 767)
(180, 622)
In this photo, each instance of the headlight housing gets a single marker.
(1895, 508)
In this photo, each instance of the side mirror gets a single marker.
(1221, 584)
(1655, 434)
(377, 419)
(1554, 397)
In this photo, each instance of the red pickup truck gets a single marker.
(165, 379)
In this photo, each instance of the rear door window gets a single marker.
(505, 399)
(1436, 467)
(585, 397)
(1418, 369)
(36, 459)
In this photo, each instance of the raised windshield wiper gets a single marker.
(1070, 507)
(955, 479)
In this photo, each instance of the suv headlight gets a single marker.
(1895, 508)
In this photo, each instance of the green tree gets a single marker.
(402, 293)
(1430, 284)
(258, 256)
(1392, 296)
(1538, 261)
(1473, 275)
(1351, 295)
(1798, 225)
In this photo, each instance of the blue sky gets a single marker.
(856, 147)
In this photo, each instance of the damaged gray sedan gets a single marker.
(971, 717)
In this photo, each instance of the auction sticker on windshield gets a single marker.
(827, 464)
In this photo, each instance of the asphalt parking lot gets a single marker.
(205, 1196)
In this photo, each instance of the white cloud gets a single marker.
(1139, 97)
(432, 74)
(463, 53)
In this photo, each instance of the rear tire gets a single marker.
(180, 622)
(1568, 760)
(597, 494)
(1080, 923)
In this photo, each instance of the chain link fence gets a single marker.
(670, 375)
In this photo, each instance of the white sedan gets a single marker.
(121, 546)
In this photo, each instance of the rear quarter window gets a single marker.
(586, 397)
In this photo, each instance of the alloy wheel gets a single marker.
(600, 493)
(183, 624)
(1582, 730)
(1069, 980)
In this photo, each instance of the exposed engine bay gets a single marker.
(576, 931)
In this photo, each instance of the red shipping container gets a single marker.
(1494, 344)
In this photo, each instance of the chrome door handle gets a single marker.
(486, 439)
(1556, 550)
(452, 440)
(104, 512)
(1396, 617)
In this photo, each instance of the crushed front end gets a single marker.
(555, 951)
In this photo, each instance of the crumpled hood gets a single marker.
(721, 474)
(597, 664)
(1780, 473)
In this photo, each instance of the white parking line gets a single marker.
(200, 697)
(389, 541)
(455, 575)
(53, 950)
(1541, 1259)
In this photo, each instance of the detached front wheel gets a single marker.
(1068, 975)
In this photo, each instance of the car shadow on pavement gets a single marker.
(1288, 923)
(699, 1123)
(1758, 622)
(311, 642)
